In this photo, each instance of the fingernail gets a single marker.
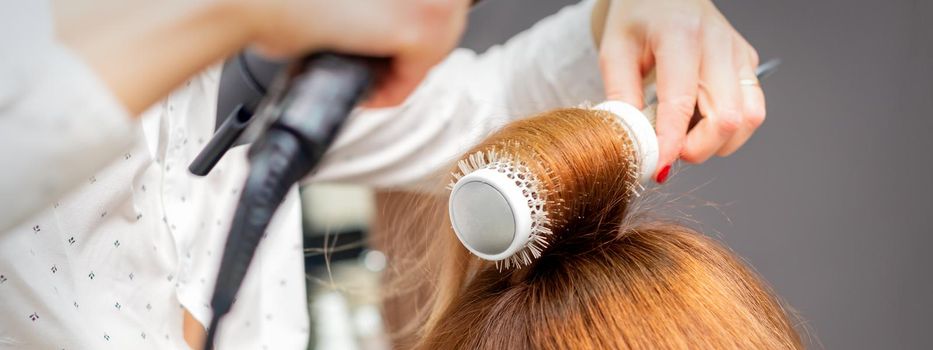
(662, 175)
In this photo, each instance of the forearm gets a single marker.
(141, 54)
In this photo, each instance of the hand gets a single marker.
(699, 60)
(117, 38)
(417, 34)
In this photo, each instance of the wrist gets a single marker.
(598, 21)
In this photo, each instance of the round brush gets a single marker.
(498, 208)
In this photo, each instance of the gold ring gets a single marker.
(748, 82)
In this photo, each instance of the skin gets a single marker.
(142, 50)
(194, 332)
(698, 59)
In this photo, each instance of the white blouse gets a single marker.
(112, 261)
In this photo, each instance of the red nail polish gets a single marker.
(662, 175)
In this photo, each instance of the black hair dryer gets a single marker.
(296, 119)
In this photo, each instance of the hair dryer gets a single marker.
(294, 124)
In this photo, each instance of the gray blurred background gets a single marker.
(831, 200)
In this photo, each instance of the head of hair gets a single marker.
(607, 279)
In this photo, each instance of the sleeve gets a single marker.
(58, 122)
(465, 98)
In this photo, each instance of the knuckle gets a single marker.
(755, 119)
(684, 23)
(427, 19)
(406, 38)
(670, 143)
(682, 105)
(677, 25)
(668, 137)
(728, 121)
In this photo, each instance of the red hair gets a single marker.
(607, 280)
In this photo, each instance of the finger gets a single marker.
(619, 61)
(418, 40)
(719, 100)
(395, 84)
(753, 105)
(416, 51)
(678, 72)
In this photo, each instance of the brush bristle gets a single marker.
(533, 191)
